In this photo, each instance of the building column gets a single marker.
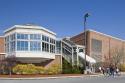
(61, 56)
(77, 50)
(72, 57)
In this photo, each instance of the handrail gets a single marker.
(67, 57)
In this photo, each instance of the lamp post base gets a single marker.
(85, 72)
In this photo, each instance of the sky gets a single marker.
(65, 17)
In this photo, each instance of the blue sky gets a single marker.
(65, 17)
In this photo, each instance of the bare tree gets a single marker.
(2, 64)
(117, 56)
(10, 63)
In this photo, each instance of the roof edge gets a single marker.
(38, 27)
(101, 34)
(2, 36)
(106, 35)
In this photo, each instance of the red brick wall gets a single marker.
(2, 48)
(2, 43)
(108, 43)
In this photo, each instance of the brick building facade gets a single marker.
(2, 48)
(100, 46)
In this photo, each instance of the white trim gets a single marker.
(81, 46)
(30, 27)
(2, 53)
(9, 29)
(2, 36)
(105, 35)
(91, 30)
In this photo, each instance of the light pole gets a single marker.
(85, 38)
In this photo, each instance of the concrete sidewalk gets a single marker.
(54, 77)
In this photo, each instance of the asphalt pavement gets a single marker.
(91, 79)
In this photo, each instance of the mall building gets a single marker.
(37, 45)
(100, 46)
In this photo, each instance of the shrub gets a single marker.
(32, 69)
(25, 69)
(122, 67)
(18, 69)
(40, 70)
(68, 69)
(54, 69)
(76, 70)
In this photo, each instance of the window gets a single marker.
(12, 37)
(35, 36)
(52, 48)
(45, 38)
(7, 39)
(12, 46)
(52, 41)
(22, 36)
(96, 45)
(58, 47)
(7, 47)
(35, 46)
(22, 45)
(45, 47)
(80, 50)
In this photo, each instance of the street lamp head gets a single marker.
(86, 15)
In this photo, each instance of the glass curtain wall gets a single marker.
(58, 47)
(29, 42)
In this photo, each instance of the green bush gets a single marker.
(76, 70)
(54, 69)
(40, 70)
(122, 67)
(32, 69)
(68, 69)
(25, 69)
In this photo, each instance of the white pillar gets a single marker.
(77, 50)
(61, 55)
(72, 57)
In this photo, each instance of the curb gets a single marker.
(42, 78)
